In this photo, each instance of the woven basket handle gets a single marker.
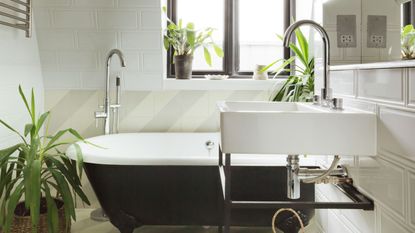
(274, 229)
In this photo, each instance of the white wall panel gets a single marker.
(397, 132)
(342, 82)
(381, 84)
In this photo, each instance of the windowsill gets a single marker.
(228, 84)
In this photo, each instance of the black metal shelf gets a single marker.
(358, 200)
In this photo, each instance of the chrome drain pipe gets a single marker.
(295, 175)
(293, 181)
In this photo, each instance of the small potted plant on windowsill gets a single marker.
(184, 41)
(34, 170)
(408, 42)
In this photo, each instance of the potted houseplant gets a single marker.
(408, 42)
(184, 40)
(299, 87)
(36, 172)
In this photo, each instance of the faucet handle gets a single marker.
(99, 115)
(115, 106)
(337, 104)
(316, 99)
(326, 93)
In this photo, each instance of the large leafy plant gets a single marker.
(35, 169)
(185, 40)
(408, 42)
(299, 87)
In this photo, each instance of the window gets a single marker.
(246, 29)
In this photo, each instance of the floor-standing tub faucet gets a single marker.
(326, 93)
(106, 115)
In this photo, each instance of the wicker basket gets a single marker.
(23, 224)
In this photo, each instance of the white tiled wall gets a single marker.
(19, 64)
(411, 87)
(75, 37)
(388, 178)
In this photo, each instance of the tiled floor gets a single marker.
(86, 225)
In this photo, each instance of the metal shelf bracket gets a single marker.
(17, 14)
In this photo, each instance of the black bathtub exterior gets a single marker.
(133, 196)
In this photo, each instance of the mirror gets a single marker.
(365, 31)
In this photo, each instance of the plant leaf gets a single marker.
(71, 177)
(190, 34)
(79, 158)
(302, 41)
(180, 24)
(298, 53)
(11, 206)
(13, 130)
(208, 57)
(33, 107)
(41, 121)
(65, 193)
(35, 194)
(22, 95)
(218, 50)
(52, 213)
(283, 65)
(8, 151)
(27, 129)
(166, 42)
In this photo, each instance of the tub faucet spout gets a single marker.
(105, 114)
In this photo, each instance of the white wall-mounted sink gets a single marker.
(295, 128)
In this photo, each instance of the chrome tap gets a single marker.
(296, 174)
(293, 181)
(106, 115)
(326, 92)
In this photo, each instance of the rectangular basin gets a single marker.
(295, 128)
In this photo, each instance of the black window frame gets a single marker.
(231, 40)
(408, 15)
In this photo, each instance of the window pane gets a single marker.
(259, 23)
(204, 14)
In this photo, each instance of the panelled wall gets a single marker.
(388, 178)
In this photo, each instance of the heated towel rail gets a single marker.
(17, 14)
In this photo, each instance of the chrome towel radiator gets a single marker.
(17, 14)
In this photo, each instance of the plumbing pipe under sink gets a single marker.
(295, 175)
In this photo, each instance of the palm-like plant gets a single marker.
(299, 86)
(36, 169)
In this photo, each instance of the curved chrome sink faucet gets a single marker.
(293, 166)
(107, 106)
(326, 93)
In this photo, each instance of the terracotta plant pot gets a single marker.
(183, 66)
(22, 222)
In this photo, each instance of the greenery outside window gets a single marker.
(246, 30)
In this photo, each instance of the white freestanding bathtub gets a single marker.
(173, 179)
